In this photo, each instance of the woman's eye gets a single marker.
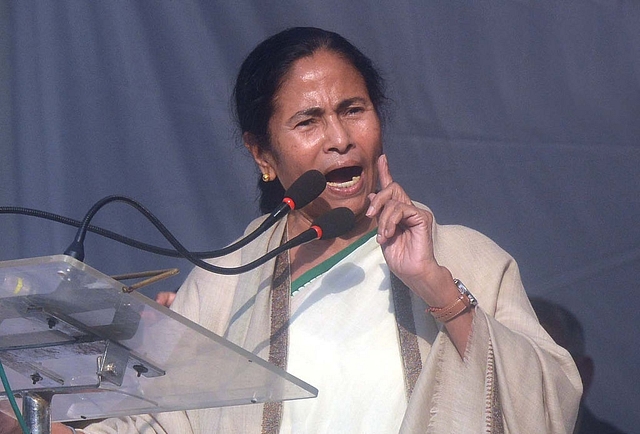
(305, 123)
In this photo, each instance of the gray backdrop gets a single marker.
(516, 118)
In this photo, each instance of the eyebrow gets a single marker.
(311, 111)
(350, 101)
(317, 111)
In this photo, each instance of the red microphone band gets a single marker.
(318, 230)
(289, 202)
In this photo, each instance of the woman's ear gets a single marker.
(262, 157)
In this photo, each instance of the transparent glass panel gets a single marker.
(67, 328)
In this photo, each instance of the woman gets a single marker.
(373, 319)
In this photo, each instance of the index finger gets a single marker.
(384, 176)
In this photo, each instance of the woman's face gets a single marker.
(324, 119)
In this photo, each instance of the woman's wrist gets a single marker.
(436, 287)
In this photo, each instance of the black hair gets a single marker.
(262, 73)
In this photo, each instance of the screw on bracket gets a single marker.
(52, 322)
(36, 377)
(110, 368)
(140, 369)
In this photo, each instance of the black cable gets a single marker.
(335, 223)
(76, 246)
(303, 190)
(76, 249)
(179, 250)
(130, 241)
(100, 231)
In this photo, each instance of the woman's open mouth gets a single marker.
(344, 177)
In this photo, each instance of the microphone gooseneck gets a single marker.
(76, 248)
(303, 190)
(333, 224)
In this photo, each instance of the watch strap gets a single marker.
(447, 313)
(462, 303)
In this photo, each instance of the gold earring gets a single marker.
(266, 177)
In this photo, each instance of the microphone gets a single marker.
(333, 224)
(304, 190)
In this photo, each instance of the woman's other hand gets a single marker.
(165, 298)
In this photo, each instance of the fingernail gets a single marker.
(370, 211)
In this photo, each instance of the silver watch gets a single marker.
(464, 291)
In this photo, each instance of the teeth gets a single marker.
(345, 184)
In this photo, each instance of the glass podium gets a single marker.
(76, 345)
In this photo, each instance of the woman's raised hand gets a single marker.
(405, 235)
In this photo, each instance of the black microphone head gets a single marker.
(306, 188)
(335, 223)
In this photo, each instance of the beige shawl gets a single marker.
(513, 378)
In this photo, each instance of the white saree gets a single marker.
(343, 340)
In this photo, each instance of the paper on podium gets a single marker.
(69, 329)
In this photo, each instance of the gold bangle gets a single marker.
(447, 313)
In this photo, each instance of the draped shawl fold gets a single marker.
(513, 377)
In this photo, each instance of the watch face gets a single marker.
(463, 290)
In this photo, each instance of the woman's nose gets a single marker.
(338, 137)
